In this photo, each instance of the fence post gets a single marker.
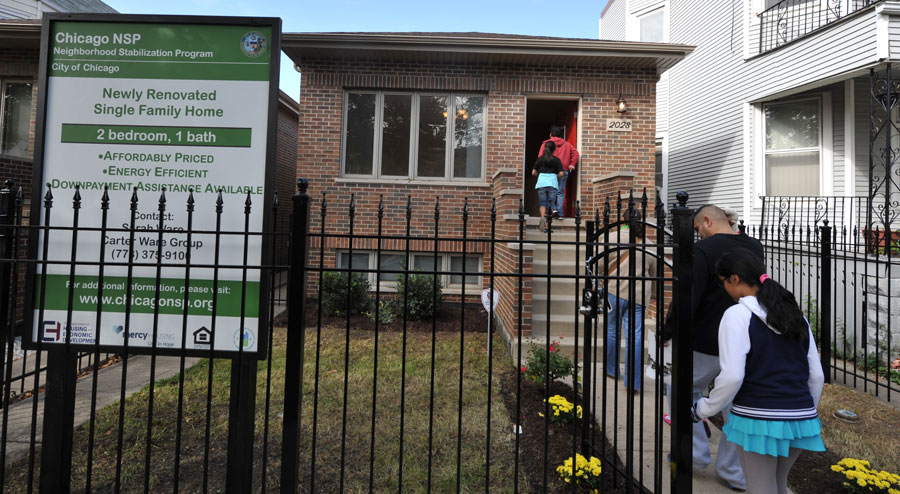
(296, 334)
(682, 351)
(241, 425)
(825, 304)
(7, 220)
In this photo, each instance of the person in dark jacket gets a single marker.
(770, 374)
(709, 302)
(568, 157)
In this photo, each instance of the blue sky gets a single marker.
(575, 18)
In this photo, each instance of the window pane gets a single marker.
(792, 174)
(395, 134)
(391, 262)
(468, 136)
(16, 116)
(360, 133)
(792, 125)
(652, 27)
(473, 265)
(432, 153)
(360, 261)
(426, 263)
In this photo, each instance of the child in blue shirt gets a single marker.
(549, 170)
(770, 370)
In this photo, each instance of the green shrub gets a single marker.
(334, 294)
(536, 363)
(387, 312)
(420, 294)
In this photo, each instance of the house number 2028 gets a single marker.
(618, 125)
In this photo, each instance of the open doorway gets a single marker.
(541, 115)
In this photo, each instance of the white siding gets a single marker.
(861, 124)
(709, 90)
(18, 9)
(640, 6)
(837, 115)
(894, 36)
(612, 24)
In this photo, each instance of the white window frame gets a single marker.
(3, 84)
(413, 174)
(825, 148)
(665, 23)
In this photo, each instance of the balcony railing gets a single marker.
(791, 19)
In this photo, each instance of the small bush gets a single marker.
(535, 367)
(387, 312)
(420, 295)
(334, 294)
(861, 478)
(583, 472)
(562, 411)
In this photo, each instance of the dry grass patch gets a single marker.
(875, 437)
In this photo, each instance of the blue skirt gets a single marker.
(774, 437)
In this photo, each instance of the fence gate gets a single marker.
(392, 378)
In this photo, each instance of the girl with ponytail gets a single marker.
(771, 372)
(549, 170)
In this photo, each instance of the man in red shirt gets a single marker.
(568, 155)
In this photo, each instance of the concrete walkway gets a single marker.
(109, 383)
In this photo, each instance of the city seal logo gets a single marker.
(248, 339)
(254, 44)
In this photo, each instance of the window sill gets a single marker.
(406, 181)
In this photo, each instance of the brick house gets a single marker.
(462, 116)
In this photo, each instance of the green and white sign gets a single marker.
(141, 107)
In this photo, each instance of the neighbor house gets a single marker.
(775, 101)
(456, 116)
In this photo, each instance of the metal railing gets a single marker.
(791, 19)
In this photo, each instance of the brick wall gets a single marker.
(507, 88)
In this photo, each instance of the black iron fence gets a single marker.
(791, 19)
(402, 380)
(845, 276)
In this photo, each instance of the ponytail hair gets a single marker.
(783, 312)
(546, 159)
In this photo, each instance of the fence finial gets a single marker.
(682, 198)
(134, 199)
(190, 200)
(104, 200)
(162, 200)
(8, 183)
(302, 185)
(380, 205)
(76, 199)
(521, 210)
(493, 209)
(248, 203)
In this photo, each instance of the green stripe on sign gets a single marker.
(144, 295)
(159, 51)
(156, 135)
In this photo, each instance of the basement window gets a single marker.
(426, 136)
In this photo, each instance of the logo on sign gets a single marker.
(52, 331)
(249, 339)
(253, 44)
(202, 337)
(489, 298)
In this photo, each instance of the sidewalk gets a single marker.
(109, 382)
(705, 480)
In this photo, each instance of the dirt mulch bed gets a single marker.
(559, 438)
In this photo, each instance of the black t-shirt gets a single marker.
(554, 166)
(710, 300)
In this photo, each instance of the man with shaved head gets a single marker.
(710, 300)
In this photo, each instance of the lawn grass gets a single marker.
(357, 441)
(875, 437)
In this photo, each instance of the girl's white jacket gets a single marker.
(734, 345)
